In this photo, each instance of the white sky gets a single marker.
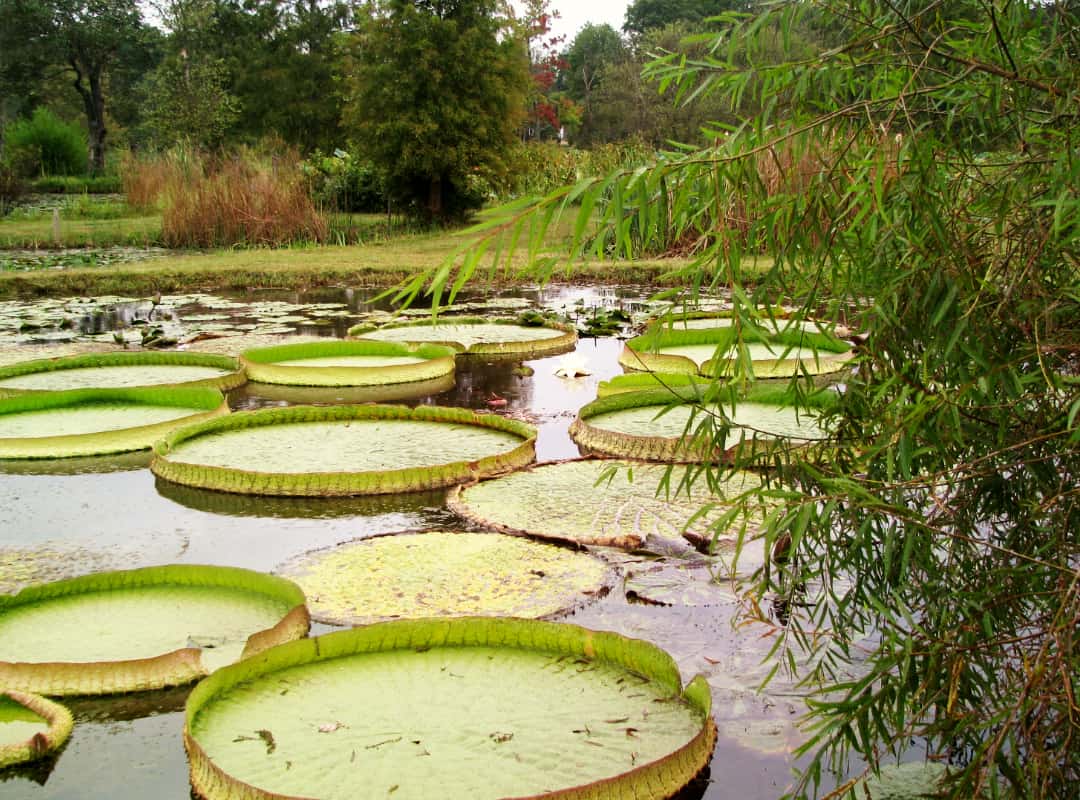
(575, 14)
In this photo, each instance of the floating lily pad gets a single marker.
(490, 339)
(477, 708)
(84, 422)
(610, 503)
(642, 381)
(30, 727)
(656, 426)
(142, 629)
(713, 351)
(678, 586)
(354, 363)
(343, 450)
(445, 574)
(351, 395)
(121, 370)
(905, 781)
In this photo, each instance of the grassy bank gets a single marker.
(382, 263)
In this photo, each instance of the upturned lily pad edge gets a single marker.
(174, 668)
(529, 349)
(654, 780)
(207, 402)
(261, 367)
(58, 718)
(234, 378)
(336, 484)
(752, 450)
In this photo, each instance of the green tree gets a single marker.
(647, 15)
(436, 97)
(587, 64)
(187, 100)
(919, 181)
(85, 38)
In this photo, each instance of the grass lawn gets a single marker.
(380, 261)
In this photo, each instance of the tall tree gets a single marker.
(88, 39)
(647, 15)
(588, 62)
(435, 100)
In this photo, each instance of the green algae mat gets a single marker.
(343, 450)
(656, 425)
(490, 339)
(715, 350)
(121, 370)
(613, 503)
(470, 707)
(142, 629)
(443, 574)
(31, 727)
(348, 363)
(87, 422)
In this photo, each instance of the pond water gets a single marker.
(63, 517)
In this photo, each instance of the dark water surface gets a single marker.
(82, 516)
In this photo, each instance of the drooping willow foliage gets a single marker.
(917, 178)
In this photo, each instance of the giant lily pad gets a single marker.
(354, 363)
(613, 503)
(445, 574)
(30, 727)
(143, 628)
(478, 708)
(84, 422)
(660, 425)
(343, 450)
(489, 339)
(121, 370)
(351, 395)
(713, 351)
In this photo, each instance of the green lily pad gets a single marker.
(30, 727)
(142, 629)
(445, 574)
(355, 363)
(656, 426)
(491, 339)
(905, 781)
(477, 708)
(775, 350)
(351, 395)
(121, 370)
(342, 450)
(612, 503)
(678, 586)
(83, 422)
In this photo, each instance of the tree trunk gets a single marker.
(93, 98)
(435, 204)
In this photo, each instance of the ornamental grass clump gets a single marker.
(241, 200)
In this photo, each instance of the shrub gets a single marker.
(344, 182)
(46, 145)
(77, 184)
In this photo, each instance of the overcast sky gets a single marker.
(575, 14)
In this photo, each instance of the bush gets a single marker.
(344, 182)
(72, 184)
(542, 167)
(46, 145)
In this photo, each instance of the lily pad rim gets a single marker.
(57, 717)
